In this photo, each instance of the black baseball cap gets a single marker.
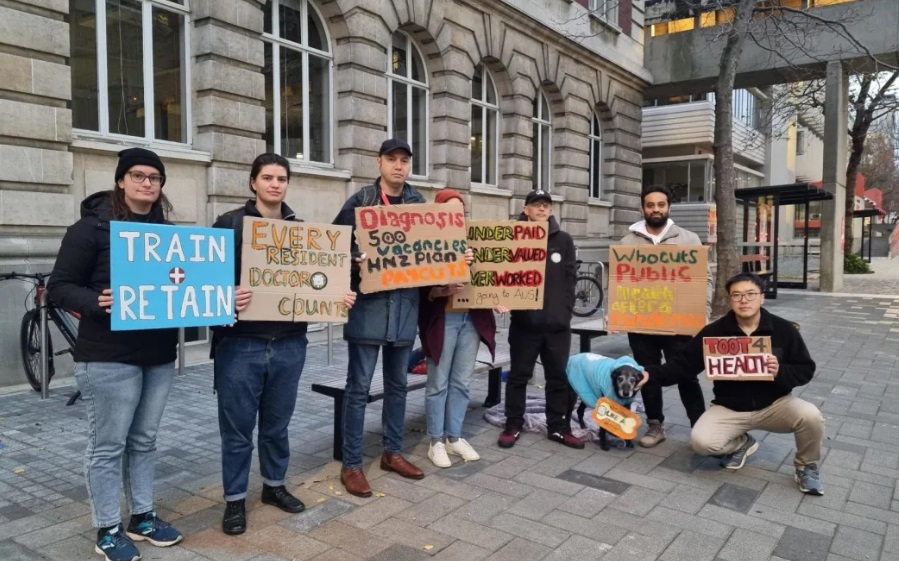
(392, 144)
(537, 195)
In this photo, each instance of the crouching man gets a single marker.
(742, 406)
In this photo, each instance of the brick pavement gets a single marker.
(536, 501)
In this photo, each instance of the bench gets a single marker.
(336, 387)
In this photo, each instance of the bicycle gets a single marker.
(588, 293)
(30, 332)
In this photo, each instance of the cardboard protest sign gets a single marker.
(509, 265)
(299, 271)
(616, 418)
(411, 245)
(658, 289)
(170, 276)
(737, 358)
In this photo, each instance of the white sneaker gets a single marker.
(464, 449)
(437, 453)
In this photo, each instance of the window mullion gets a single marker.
(187, 119)
(410, 127)
(276, 95)
(307, 148)
(390, 108)
(149, 98)
(102, 73)
(485, 146)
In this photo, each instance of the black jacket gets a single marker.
(260, 329)
(558, 290)
(81, 273)
(796, 367)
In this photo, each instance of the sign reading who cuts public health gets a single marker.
(171, 276)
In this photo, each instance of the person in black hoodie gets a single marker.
(742, 406)
(124, 376)
(257, 368)
(545, 333)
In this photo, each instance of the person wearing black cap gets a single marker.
(124, 376)
(545, 333)
(380, 320)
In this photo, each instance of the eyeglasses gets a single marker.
(749, 296)
(139, 177)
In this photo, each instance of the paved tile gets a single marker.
(400, 552)
(595, 481)
(744, 545)
(693, 546)
(801, 545)
(856, 544)
(734, 497)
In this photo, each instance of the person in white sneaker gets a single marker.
(449, 341)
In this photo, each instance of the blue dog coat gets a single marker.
(590, 375)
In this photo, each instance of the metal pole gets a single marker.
(181, 351)
(330, 343)
(45, 334)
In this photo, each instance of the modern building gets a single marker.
(496, 99)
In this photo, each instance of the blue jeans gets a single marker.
(256, 378)
(362, 361)
(447, 395)
(124, 407)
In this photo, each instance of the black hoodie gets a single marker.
(81, 273)
(795, 366)
(558, 289)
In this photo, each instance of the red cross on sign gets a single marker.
(176, 275)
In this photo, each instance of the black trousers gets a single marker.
(648, 351)
(553, 350)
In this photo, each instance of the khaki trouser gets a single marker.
(721, 431)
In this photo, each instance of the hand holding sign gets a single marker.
(105, 300)
(773, 365)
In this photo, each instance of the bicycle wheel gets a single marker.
(30, 339)
(587, 296)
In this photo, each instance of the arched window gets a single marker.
(484, 142)
(407, 99)
(542, 142)
(297, 70)
(596, 158)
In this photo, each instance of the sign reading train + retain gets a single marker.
(170, 276)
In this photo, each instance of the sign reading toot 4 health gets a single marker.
(170, 276)
(658, 288)
(411, 245)
(298, 271)
(509, 265)
(737, 358)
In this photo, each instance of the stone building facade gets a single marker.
(495, 97)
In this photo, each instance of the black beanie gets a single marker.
(138, 157)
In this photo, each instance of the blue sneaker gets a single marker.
(114, 545)
(809, 480)
(153, 529)
(735, 460)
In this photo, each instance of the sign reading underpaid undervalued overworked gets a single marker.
(170, 276)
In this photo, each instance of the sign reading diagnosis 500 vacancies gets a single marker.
(299, 271)
(170, 276)
(658, 289)
(509, 265)
(411, 245)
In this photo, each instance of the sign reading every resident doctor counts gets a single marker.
(166, 276)
(299, 271)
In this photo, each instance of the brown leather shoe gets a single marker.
(354, 481)
(396, 462)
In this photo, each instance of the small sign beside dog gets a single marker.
(737, 358)
(616, 418)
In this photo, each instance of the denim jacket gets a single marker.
(379, 318)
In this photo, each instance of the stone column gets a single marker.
(35, 130)
(228, 89)
(836, 125)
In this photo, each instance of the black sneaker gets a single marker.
(235, 520)
(281, 498)
(508, 438)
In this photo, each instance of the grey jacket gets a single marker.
(674, 235)
(379, 318)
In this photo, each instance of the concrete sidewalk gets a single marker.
(538, 500)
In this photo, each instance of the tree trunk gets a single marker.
(729, 239)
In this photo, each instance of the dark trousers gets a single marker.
(553, 349)
(648, 351)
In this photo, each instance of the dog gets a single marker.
(592, 376)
